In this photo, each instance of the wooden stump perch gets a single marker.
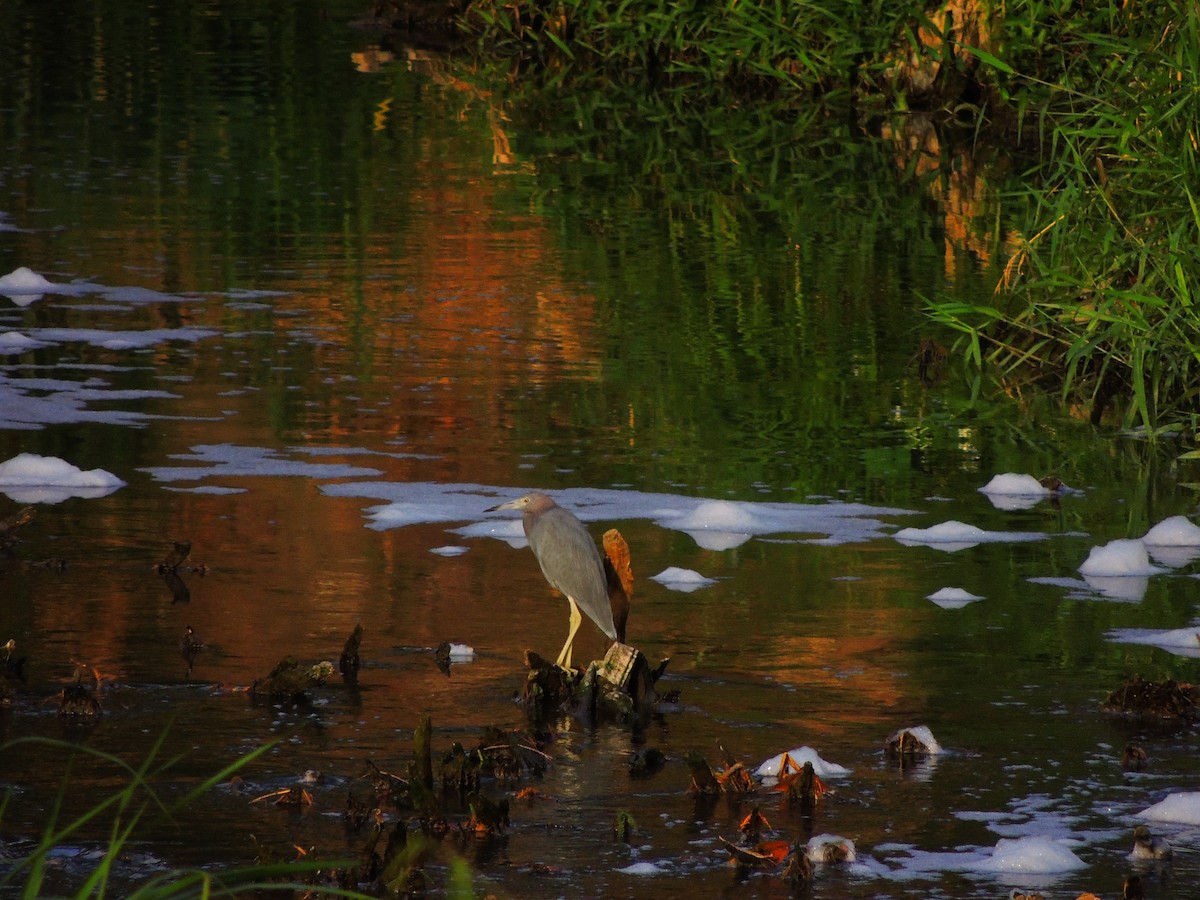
(620, 686)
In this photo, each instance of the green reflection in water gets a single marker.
(729, 303)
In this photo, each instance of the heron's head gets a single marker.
(532, 503)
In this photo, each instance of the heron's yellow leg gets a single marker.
(564, 658)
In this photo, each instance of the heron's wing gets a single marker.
(569, 560)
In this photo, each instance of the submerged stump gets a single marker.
(619, 687)
(1168, 700)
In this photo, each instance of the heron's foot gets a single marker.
(564, 658)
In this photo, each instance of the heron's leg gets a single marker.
(564, 658)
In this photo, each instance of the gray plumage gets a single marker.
(569, 560)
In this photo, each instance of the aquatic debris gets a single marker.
(909, 742)
(753, 825)
(733, 779)
(12, 667)
(930, 359)
(180, 551)
(830, 849)
(447, 653)
(287, 681)
(190, 647)
(77, 701)
(765, 854)
(646, 762)
(488, 816)
(1159, 699)
(173, 566)
(1133, 758)
(294, 796)
(1147, 846)
(190, 644)
(503, 755)
(10, 525)
(799, 869)
(771, 768)
(619, 687)
(366, 793)
(624, 825)
(803, 787)
(349, 662)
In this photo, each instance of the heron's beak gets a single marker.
(511, 504)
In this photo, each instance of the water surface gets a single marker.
(318, 289)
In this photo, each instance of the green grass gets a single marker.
(1097, 297)
(128, 814)
(1102, 100)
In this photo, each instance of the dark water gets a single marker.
(393, 270)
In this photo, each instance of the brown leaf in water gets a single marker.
(529, 795)
(753, 825)
(764, 854)
(802, 785)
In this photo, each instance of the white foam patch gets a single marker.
(644, 868)
(13, 342)
(207, 489)
(108, 339)
(224, 460)
(923, 734)
(1126, 589)
(1117, 559)
(449, 550)
(1037, 855)
(29, 478)
(356, 451)
(718, 515)
(953, 598)
(1181, 808)
(461, 653)
(411, 503)
(22, 280)
(685, 580)
(30, 403)
(769, 769)
(1015, 485)
(1180, 641)
(1176, 531)
(955, 535)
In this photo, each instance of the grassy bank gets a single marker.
(1100, 238)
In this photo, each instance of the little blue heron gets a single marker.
(570, 562)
